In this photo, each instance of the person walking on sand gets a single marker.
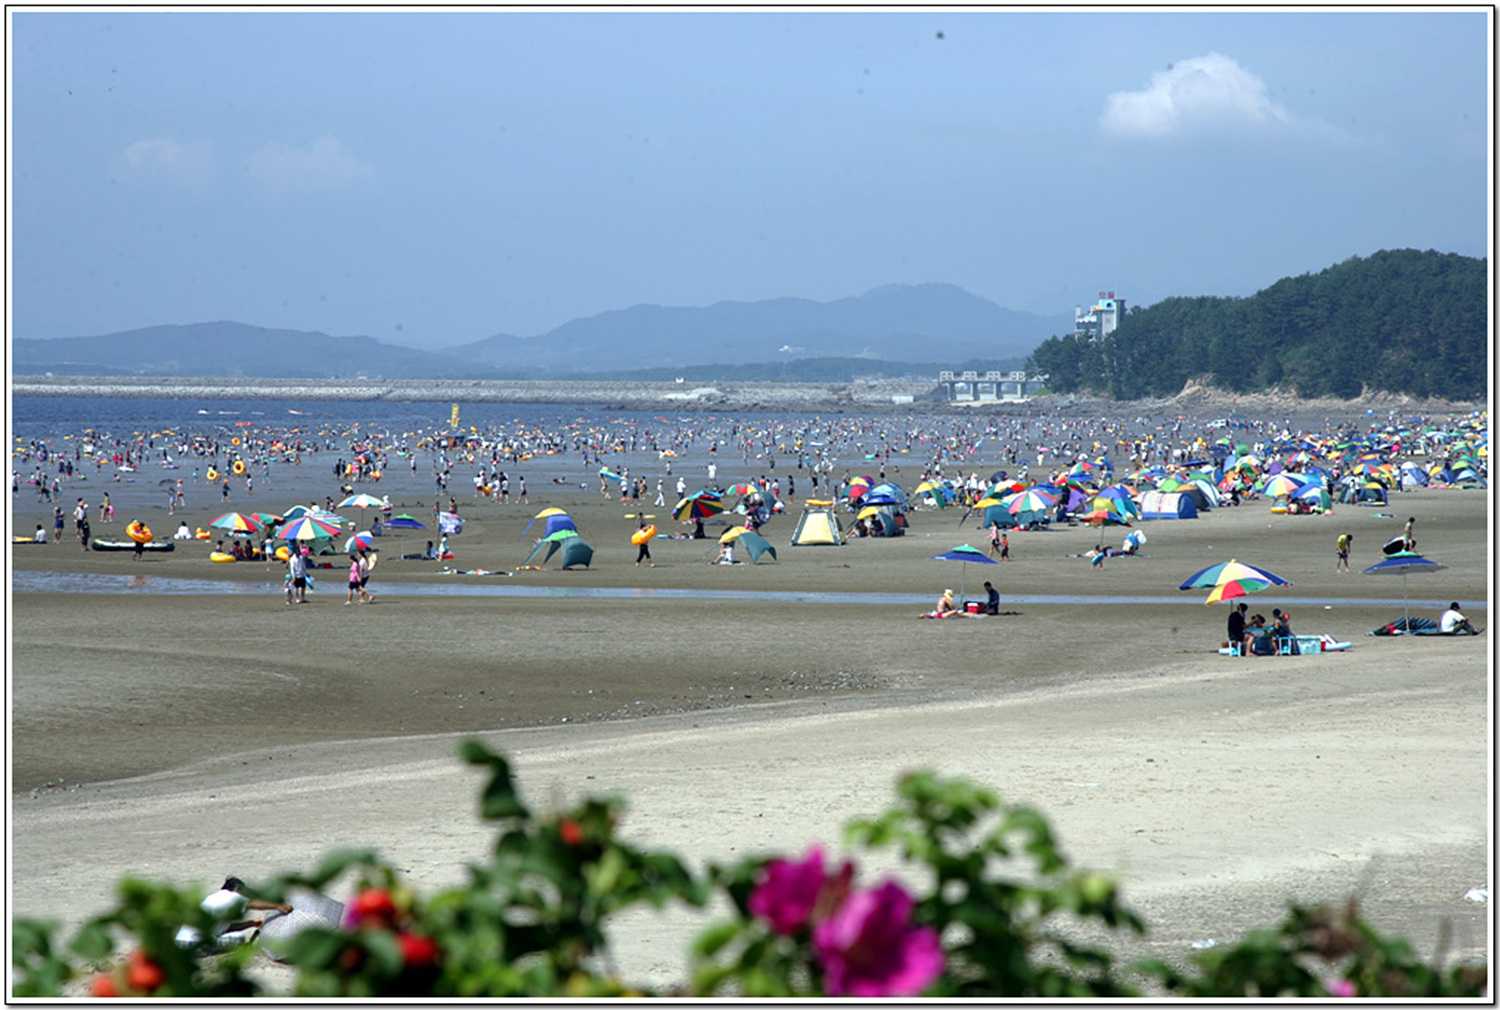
(1410, 534)
(366, 566)
(354, 576)
(1004, 547)
(643, 553)
(1346, 540)
(296, 564)
(994, 539)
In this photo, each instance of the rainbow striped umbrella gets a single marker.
(237, 522)
(1030, 500)
(1232, 579)
(1283, 485)
(309, 528)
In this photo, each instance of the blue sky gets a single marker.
(432, 179)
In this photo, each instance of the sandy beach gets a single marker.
(185, 735)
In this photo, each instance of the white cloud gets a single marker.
(189, 163)
(1205, 92)
(324, 165)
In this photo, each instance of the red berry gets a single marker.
(374, 906)
(418, 952)
(571, 832)
(144, 974)
(103, 985)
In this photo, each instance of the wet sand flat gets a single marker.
(184, 737)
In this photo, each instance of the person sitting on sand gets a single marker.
(726, 554)
(228, 906)
(1286, 641)
(945, 606)
(1454, 622)
(1257, 641)
(183, 533)
(991, 599)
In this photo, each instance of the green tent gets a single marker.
(755, 545)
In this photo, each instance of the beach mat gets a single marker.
(309, 911)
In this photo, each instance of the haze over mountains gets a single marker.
(927, 323)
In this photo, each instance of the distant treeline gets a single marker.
(1399, 321)
(803, 370)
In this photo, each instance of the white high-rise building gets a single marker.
(1101, 319)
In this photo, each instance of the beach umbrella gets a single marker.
(966, 554)
(404, 523)
(359, 542)
(361, 501)
(1030, 500)
(1231, 579)
(1282, 485)
(1404, 563)
(308, 528)
(1317, 494)
(237, 522)
(733, 534)
(698, 506)
(543, 514)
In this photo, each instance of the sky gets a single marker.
(435, 178)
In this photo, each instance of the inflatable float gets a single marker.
(239, 467)
(130, 545)
(642, 535)
(139, 532)
(221, 558)
(200, 533)
(211, 474)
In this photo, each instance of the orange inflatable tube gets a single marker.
(139, 532)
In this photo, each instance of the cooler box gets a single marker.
(1308, 644)
(974, 607)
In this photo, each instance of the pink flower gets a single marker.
(868, 946)
(790, 893)
(1341, 987)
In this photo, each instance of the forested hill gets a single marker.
(1399, 321)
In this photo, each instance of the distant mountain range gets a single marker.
(895, 324)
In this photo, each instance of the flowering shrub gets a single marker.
(531, 919)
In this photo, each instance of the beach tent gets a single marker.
(566, 543)
(1167, 505)
(884, 494)
(886, 522)
(1370, 494)
(755, 545)
(818, 525)
(559, 522)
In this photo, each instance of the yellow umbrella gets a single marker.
(867, 512)
(732, 535)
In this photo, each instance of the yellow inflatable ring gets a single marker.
(212, 474)
(235, 440)
(139, 532)
(200, 533)
(1279, 509)
(221, 557)
(282, 553)
(239, 467)
(640, 536)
